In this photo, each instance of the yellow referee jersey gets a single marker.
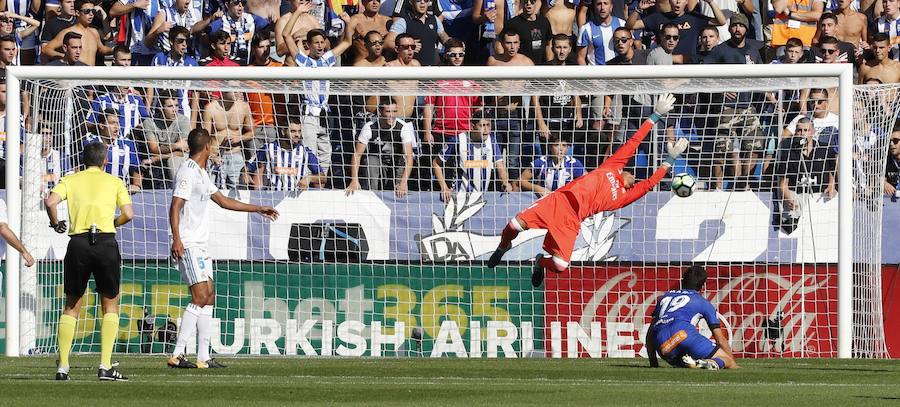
(93, 197)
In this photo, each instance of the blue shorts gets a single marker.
(675, 340)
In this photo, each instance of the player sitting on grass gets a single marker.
(673, 332)
(606, 188)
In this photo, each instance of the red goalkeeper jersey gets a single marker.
(603, 189)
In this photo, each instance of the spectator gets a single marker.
(889, 24)
(364, 23)
(241, 26)
(71, 51)
(406, 51)
(891, 178)
(374, 48)
(92, 46)
(828, 24)
(262, 104)
(828, 51)
(626, 52)
(793, 53)
(534, 32)
(122, 155)
(28, 41)
(789, 102)
(820, 117)
(62, 20)
(561, 14)
(803, 168)
(286, 164)
(9, 51)
(667, 41)
(301, 22)
(219, 48)
(179, 14)
(230, 123)
(52, 170)
(140, 20)
(179, 38)
(729, 8)
(557, 114)
(474, 157)
(561, 45)
(595, 38)
(879, 65)
(424, 27)
(851, 25)
(709, 39)
(449, 113)
(315, 104)
(166, 138)
(795, 19)
(510, 43)
(8, 27)
(121, 56)
(550, 172)
(738, 49)
(492, 16)
(687, 23)
(128, 104)
(388, 147)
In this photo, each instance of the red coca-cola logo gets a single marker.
(766, 310)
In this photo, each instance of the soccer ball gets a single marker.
(683, 185)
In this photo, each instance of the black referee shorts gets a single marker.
(102, 260)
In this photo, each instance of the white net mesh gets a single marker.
(339, 272)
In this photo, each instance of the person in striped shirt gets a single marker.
(122, 155)
(550, 172)
(286, 164)
(52, 170)
(315, 101)
(475, 156)
(9, 23)
(128, 105)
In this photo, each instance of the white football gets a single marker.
(683, 185)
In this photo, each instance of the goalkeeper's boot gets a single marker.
(180, 362)
(537, 272)
(111, 375)
(210, 364)
(62, 374)
(497, 256)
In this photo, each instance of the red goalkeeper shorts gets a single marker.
(555, 214)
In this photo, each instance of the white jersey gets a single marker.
(3, 218)
(192, 184)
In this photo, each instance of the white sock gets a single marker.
(187, 328)
(204, 332)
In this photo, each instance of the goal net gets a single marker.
(393, 187)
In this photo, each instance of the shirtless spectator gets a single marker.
(851, 25)
(267, 9)
(296, 32)
(879, 65)
(491, 17)
(374, 43)
(561, 14)
(363, 24)
(534, 32)
(230, 122)
(509, 44)
(91, 43)
(828, 27)
(406, 51)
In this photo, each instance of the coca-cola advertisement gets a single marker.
(765, 310)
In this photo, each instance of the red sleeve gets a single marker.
(624, 153)
(429, 100)
(641, 188)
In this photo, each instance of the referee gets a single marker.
(93, 197)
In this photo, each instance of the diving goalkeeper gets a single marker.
(606, 188)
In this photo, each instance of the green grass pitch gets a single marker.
(441, 382)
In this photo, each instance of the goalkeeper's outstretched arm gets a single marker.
(641, 188)
(663, 105)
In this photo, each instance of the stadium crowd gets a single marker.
(448, 141)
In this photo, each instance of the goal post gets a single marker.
(609, 80)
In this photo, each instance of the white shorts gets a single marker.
(195, 266)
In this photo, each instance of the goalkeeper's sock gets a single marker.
(109, 329)
(65, 335)
(204, 332)
(719, 362)
(187, 328)
(509, 233)
(553, 264)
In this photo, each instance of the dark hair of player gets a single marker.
(197, 140)
(693, 278)
(94, 154)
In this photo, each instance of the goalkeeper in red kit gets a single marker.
(606, 188)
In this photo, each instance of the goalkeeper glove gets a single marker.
(663, 106)
(676, 149)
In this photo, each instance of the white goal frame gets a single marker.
(843, 72)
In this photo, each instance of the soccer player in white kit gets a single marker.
(189, 221)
